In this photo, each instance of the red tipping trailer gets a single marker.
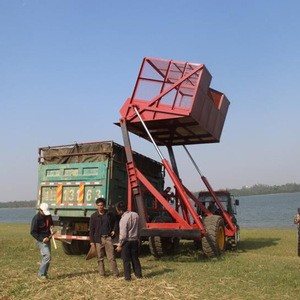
(172, 104)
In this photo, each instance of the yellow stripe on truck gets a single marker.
(59, 194)
(81, 193)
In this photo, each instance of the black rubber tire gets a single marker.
(66, 248)
(84, 247)
(213, 243)
(160, 246)
(72, 249)
(198, 244)
(75, 247)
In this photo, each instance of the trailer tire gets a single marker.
(160, 246)
(213, 243)
(198, 244)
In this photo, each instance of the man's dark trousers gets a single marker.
(130, 254)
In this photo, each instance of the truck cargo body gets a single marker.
(72, 177)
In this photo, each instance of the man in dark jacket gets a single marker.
(41, 226)
(103, 227)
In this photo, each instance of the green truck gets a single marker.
(72, 177)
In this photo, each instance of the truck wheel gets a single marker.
(84, 247)
(72, 249)
(75, 247)
(160, 246)
(67, 248)
(213, 243)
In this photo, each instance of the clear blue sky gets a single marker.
(67, 67)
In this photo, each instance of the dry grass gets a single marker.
(265, 267)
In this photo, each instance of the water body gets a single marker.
(268, 211)
(264, 211)
(17, 215)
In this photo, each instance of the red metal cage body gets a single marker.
(172, 104)
(176, 102)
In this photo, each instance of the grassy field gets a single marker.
(266, 266)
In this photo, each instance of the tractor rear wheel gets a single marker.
(213, 243)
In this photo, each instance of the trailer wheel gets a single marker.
(213, 243)
(160, 246)
(198, 244)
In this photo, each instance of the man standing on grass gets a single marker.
(129, 240)
(297, 221)
(41, 226)
(103, 226)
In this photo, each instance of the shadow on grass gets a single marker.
(144, 250)
(257, 243)
(186, 252)
(157, 273)
(71, 275)
(149, 275)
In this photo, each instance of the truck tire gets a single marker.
(72, 248)
(213, 243)
(75, 247)
(84, 247)
(66, 248)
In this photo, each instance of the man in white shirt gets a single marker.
(129, 240)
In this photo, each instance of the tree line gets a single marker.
(263, 189)
(17, 204)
